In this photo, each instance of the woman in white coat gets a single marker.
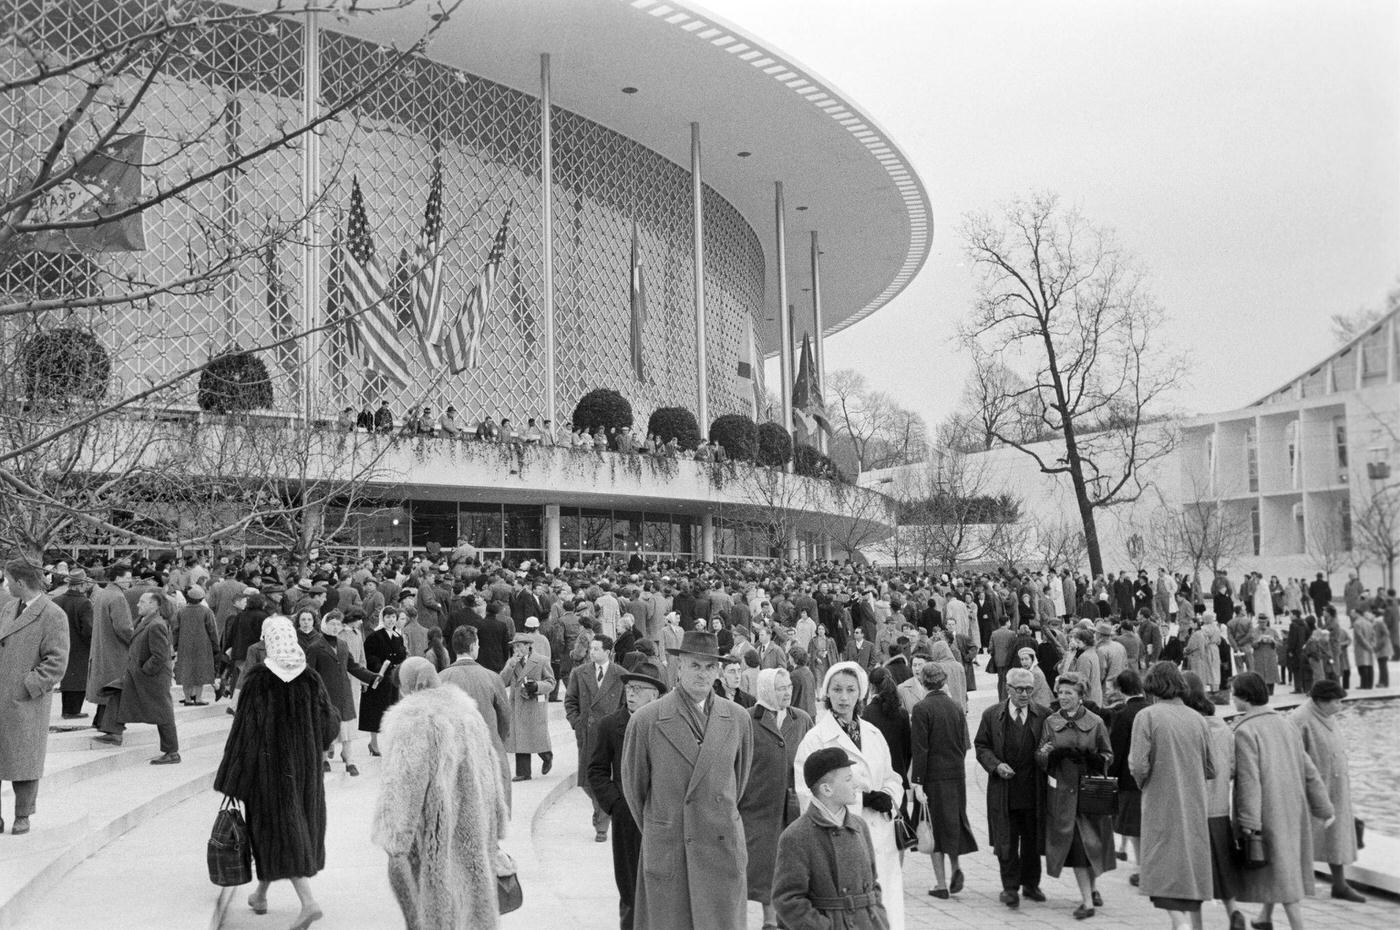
(842, 696)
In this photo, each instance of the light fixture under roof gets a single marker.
(629, 90)
(745, 154)
(800, 209)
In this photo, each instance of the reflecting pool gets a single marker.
(1372, 731)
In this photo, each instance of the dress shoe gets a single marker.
(350, 769)
(1097, 899)
(170, 758)
(1262, 924)
(74, 716)
(373, 751)
(21, 826)
(956, 884)
(259, 905)
(1083, 913)
(1122, 857)
(939, 893)
(1033, 894)
(1237, 920)
(548, 764)
(521, 778)
(1348, 893)
(600, 837)
(1010, 899)
(1135, 879)
(326, 766)
(229, 711)
(111, 739)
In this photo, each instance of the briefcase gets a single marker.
(1098, 795)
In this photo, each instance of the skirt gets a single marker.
(1078, 856)
(1224, 874)
(1127, 820)
(947, 817)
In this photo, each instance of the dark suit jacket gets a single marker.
(586, 704)
(990, 747)
(494, 637)
(605, 765)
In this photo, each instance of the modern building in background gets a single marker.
(764, 205)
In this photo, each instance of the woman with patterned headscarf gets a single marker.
(272, 763)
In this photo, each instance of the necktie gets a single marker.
(600, 676)
(1020, 717)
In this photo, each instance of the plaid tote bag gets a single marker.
(230, 856)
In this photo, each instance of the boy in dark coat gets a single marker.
(825, 874)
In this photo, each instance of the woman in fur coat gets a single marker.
(442, 808)
(272, 763)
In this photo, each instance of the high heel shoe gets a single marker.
(259, 906)
(373, 751)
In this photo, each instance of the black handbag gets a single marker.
(229, 853)
(1098, 795)
(1254, 850)
(906, 834)
(509, 895)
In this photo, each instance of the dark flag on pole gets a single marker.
(104, 183)
(807, 394)
(638, 292)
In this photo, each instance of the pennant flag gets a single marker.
(463, 346)
(806, 393)
(638, 299)
(427, 277)
(279, 314)
(376, 328)
(105, 182)
(750, 367)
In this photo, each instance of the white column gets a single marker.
(818, 340)
(784, 311)
(707, 537)
(697, 195)
(551, 536)
(311, 213)
(547, 236)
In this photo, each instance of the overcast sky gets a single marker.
(1246, 151)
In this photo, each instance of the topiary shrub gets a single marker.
(602, 407)
(806, 460)
(234, 381)
(774, 445)
(737, 434)
(676, 423)
(65, 362)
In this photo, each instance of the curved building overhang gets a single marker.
(648, 69)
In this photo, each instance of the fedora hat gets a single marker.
(700, 644)
(525, 638)
(646, 673)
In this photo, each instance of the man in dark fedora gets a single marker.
(604, 773)
(685, 763)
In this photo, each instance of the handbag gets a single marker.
(924, 831)
(229, 853)
(905, 833)
(1360, 832)
(1254, 850)
(509, 895)
(1098, 795)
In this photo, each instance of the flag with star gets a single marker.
(427, 274)
(366, 286)
(104, 183)
(463, 344)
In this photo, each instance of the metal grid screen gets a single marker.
(242, 85)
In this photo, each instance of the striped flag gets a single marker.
(638, 292)
(365, 286)
(463, 345)
(427, 278)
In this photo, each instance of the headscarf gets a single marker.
(416, 674)
(940, 651)
(285, 657)
(767, 688)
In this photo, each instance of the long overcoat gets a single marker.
(1277, 789)
(769, 803)
(112, 630)
(684, 794)
(145, 683)
(33, 654)
(78, 609)
(194, 634)
(1322, 739)
(1170, 758)
(529, 716)
(380, 647)
(873, 772)
(1086, 732)
(586, 704)
(604, 774)
(940, 741)
(989, 745)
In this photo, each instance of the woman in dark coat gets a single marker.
(329, 657)
(143, 694)
(770, 803)
(272, 763)
(195, 638)
(384, 645)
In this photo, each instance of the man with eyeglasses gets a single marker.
(1005, 746)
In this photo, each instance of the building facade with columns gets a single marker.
(593, 124)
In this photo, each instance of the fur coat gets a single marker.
(441, 811)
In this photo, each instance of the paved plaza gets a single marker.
(154, 822)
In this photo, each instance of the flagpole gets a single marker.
(311, 214)
(818, 339)
(697, 193)
(784, 311)
(547, 233)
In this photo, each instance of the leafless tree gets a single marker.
(949, 512)
(871, 429)
(1061, 306)
(1325, 538)
(1202, 532)
(1348, 326)
(994, 402)
(1060, 544)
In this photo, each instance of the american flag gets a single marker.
(638, 301)
(427, 276)
(463, 345)
(365, 284)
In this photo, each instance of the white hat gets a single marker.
(862, 677)
(532, 623)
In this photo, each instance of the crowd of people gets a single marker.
(745, 731)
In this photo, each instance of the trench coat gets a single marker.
(769, 804)
(685, 795)
(145, 683)
(529, 716)
(194, 635)
(112, 630)
(1277, 789)
(78, 609)
(873, 772)
(817, 860)
(1062, 819)
(990, 748)
(1323, 742)
(33, 654)
(1170, 758)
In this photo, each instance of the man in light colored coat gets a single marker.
(685, 764)
(33, 656)
(112, 631)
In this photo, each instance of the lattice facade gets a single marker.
(238, 85)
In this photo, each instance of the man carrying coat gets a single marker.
(33, 655)
(685, 763)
